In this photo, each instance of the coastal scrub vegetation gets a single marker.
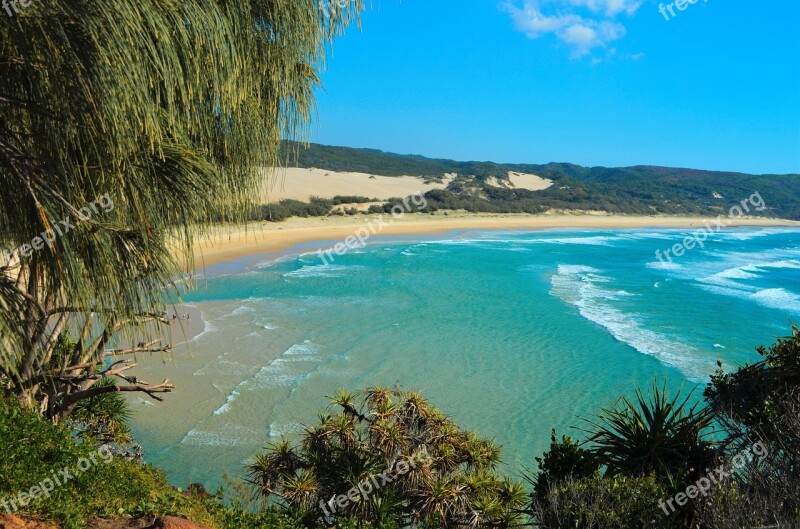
(116, 488)
(120, 143)
(387, 458)
(756, 405)
(654, 434)
(637, 457)
(390, 459)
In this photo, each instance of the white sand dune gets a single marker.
(301, 184)
(529, 181)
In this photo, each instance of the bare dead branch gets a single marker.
(151, 390)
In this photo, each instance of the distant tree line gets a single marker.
(640, 190)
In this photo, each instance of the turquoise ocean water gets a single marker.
(511, 333)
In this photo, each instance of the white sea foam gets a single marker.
(306, 348)
(729, 276)
(244, 309)
(739, 281)
(324, 270)
(286, 370)
(740, 274)
(773, 298)
(228, 401)
(597, 240)
(222, 366)
(724, 291)
(230, 435)
(284, 430)
(580, 286)
(666, 265)
(516, 249)
(746, 235)
(455, 242)
(778, 298)
(208, 328)
(278, 373)
(646, 235)
(269, 263)
(788, 263)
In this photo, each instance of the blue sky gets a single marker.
(592, 82)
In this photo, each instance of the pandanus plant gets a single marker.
(422, 469)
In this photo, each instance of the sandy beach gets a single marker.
(235, 242)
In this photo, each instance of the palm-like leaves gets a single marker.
(268, 469)
(450, 479)
(105, 416)
(655, 433)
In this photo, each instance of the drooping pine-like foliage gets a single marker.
(167, 113)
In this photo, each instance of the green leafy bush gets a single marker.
(317, 207)
(565, 460)
(338, 200)
(621, 502)
(33, 450)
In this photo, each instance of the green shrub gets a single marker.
(653, 434)
(317, 207)
(33, 450)
(565, 460)
(607, 503)
(338, 200)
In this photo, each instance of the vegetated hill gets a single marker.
(632, 190)
(382, 163)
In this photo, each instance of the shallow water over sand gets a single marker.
(510, 333)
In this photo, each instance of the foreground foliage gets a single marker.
(649, 450)
(653, 434)
(605, 503)
(441, 476)
(119, 143)
(761, 403)
(438, 475)
(32, 450)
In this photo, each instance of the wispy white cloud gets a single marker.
(610, 8)
(581, 24)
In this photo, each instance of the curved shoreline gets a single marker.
(227, 244)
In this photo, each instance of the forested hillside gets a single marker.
(630, 190)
